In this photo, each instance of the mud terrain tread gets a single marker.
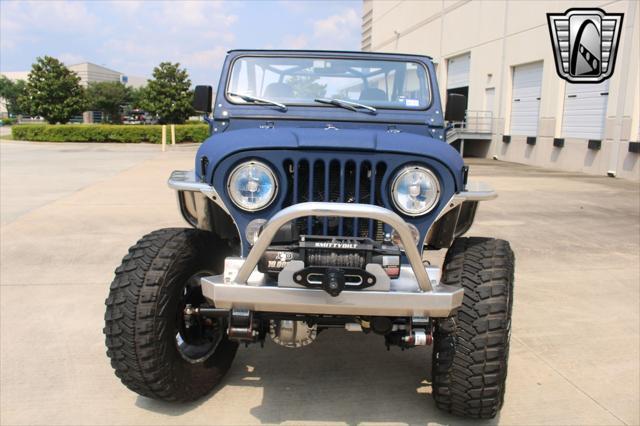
(472, 348)
(140, 318)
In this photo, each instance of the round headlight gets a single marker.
(252, 186)
(415, 190)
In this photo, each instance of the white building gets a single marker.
(500, 55)
(92, 73)
(88, 73)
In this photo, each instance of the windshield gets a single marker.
(300, 81)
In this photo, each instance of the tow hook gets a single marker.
(334, 282)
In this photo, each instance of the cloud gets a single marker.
(340, 31)
(134, 36)
(299, 41)
(60, 16)
(204, 58)
(189, 15)
(183, 14)
(294, 6)
(216, 36)
(71, 58)
(337, 27)
(130, 7)
(196, 34)
(22, 23)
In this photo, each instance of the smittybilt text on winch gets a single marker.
(318, 200)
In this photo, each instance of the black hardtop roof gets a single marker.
(342, 52)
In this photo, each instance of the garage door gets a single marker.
(525, 99)
(458, 71)
(585, 110)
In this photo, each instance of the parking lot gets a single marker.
(70, 211)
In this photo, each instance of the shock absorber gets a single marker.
(418, 338)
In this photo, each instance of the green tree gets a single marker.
(306, 87)
(53, 91)
(168, 93)
(10, 92)
(138, 96)
(108, 97)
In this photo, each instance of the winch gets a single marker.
(332, 263)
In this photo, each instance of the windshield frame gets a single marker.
(428, 78)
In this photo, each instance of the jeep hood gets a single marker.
(219, 146)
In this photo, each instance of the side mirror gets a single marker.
(202, 99)
(456, 107)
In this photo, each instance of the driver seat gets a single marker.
(278, 90)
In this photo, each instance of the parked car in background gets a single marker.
(138, 116)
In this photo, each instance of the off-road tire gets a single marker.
(140, 320)
(471, 348)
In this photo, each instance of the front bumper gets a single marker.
(404, 298)
(417, 292)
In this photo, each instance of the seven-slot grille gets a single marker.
(333, 180)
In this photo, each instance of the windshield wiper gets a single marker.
(249, 98)
(353, 106)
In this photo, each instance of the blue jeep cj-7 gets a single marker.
(319, 200)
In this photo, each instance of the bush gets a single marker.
(107, 133)
(8, 121)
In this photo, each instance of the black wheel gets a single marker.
(471, 348)
(153, 350)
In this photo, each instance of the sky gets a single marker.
(134, 36)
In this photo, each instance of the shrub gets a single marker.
(8, 121)
(107, 133)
